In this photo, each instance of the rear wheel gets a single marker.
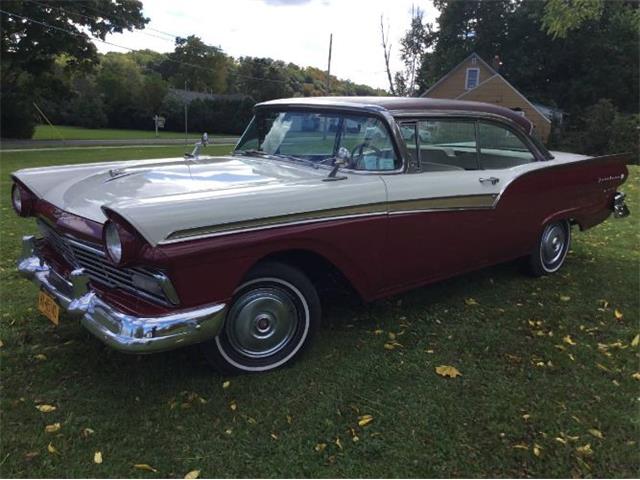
(552, 249)
(272, 317)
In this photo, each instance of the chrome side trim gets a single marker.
(453, 203)
(119, 330)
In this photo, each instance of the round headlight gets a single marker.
(16, 198)
(113, 243)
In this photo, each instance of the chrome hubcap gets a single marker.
(553, 244)
(262, 321)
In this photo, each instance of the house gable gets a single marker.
(455, 83)
(498, 91)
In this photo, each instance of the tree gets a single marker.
(414, 46)
(202, 67)
(562, 16)
(33, 34)
(262, 78)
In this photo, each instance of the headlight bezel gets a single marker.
(22, 200)
(112, 240)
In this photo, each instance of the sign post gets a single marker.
(159, 123)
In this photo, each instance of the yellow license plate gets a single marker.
(48, 307)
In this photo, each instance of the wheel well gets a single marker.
(325, 276)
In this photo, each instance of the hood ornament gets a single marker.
(195, 154)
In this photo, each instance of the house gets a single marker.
(474, 79)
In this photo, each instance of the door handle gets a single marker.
(491, 180)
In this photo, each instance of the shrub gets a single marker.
(17, 119)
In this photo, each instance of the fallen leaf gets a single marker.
(378, 332)
(228, 431)
(87, 431)
(365, 420)
(40, 356)
(636, 341)
(1, 344)
(568, 340)
(470, 301)
(44, 408)
(561, 440)
(289, 419)
(51, 449)
(338, 443)
(224, 385)
(145, 466)
(320, 447)
(521, 446)
(536, 449)
(53, 428)
(30, 456)
(233, 406)
(618, 314)
(97, 457)
(448, 371)
(526, 416)
(596, 433)
(192, 474)
(389, 346)
(565, 298)
(274, 436)
(585, 449)
(636, 376)
(391, 335)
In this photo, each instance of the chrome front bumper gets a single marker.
(124, 332)
(620, 209)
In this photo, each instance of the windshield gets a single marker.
(317, 137)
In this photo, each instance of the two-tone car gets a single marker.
(385, 194)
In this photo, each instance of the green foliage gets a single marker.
(35, 34)
(562, 16)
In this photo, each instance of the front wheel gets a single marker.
(272, 317)
(551, 249)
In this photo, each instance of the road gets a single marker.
(7, 145)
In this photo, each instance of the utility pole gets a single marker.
(185, 114)
(329, 65)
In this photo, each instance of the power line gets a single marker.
(85, 35)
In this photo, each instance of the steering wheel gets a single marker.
(357, 158)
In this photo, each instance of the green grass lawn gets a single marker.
(45, 132)
(546, 387)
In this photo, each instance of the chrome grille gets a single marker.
(92, 258)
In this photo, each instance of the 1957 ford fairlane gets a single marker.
(386, 193)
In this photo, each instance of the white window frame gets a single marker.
(466, 79)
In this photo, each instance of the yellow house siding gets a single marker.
(498, 92)
(454, 85)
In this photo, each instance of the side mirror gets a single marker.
(205, 138)
(343, 156)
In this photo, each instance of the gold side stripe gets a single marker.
(466, 202)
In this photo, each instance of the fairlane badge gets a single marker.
(611, 178)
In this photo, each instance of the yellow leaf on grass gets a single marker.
(51, 449)
(561, 440)
(636, 376)
(87, 431)
(565, 298)
(391, 335)
(596, 433)
(521, 446)
(471, 301)
(233, 405)
(274, 436)
(636, 341)
(192, 474)
(389, 346)
(585, 449)
(224, 385)
(618, 314)
(365, 420)
(145, 466)
(338, 443)
(537, 449)
(378, 332)
(97, 457)
(40, 356)
(568, 340)
(448, 371)
(44, 408)
(320, 447)
(53, 428)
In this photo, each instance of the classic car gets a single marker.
(383, 194)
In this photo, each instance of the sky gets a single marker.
(290, 30)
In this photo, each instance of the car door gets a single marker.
(439, 216)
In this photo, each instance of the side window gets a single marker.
(368, 143)
(410, 138)
(499, 147)
(447, 145)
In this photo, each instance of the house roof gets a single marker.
(396, 105)
(473, 54)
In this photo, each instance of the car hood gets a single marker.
(159, 197)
